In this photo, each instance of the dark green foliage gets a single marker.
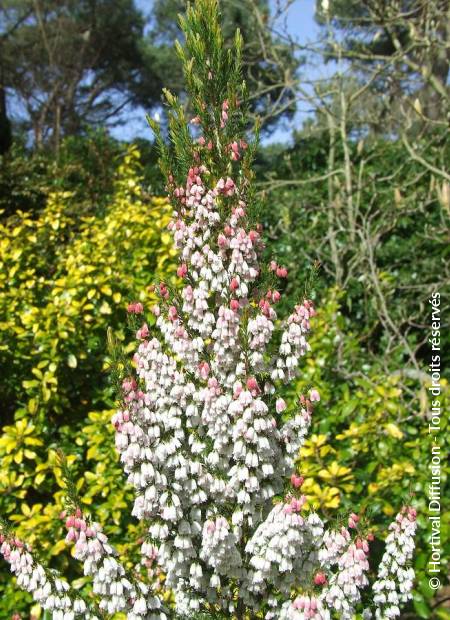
(407, 221)
(85, 166)
(408, 39)
(73, 64)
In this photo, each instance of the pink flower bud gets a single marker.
(201, 141)
(351, 523)
(182, 270)
(71, 535)
(320, 579)
(297, 504)
(234, 305)
(135, 308)
(204, 369)
(280, 405)
(297, 481)
(222, 241)
(143, 332)
(163, 291)
(237, 390)
(252, 384)
(314, 396)
(276, 296)
(129, 384)
(213, 383)
(281, 272)
(172, 313)
(228, 186)
(265, 307)
(412, 514)
(234, 284)
(70, 522)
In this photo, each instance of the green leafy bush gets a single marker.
(65, 277)
(370, 446)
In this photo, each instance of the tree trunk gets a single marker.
(5, 123)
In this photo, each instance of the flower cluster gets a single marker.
(343, 591)
(203, 434)
(395, 577)
(115, 590)
(200, 425)
(207, 443)
(48, 589)
(283, 549)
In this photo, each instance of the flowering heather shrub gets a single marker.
(204, 437)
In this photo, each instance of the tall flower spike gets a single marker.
(203, 434)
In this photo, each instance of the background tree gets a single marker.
(69, 65)
(406, 43)
(72, 64)
(269, 65)
(371, 164)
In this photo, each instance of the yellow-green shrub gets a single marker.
(64, 278)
